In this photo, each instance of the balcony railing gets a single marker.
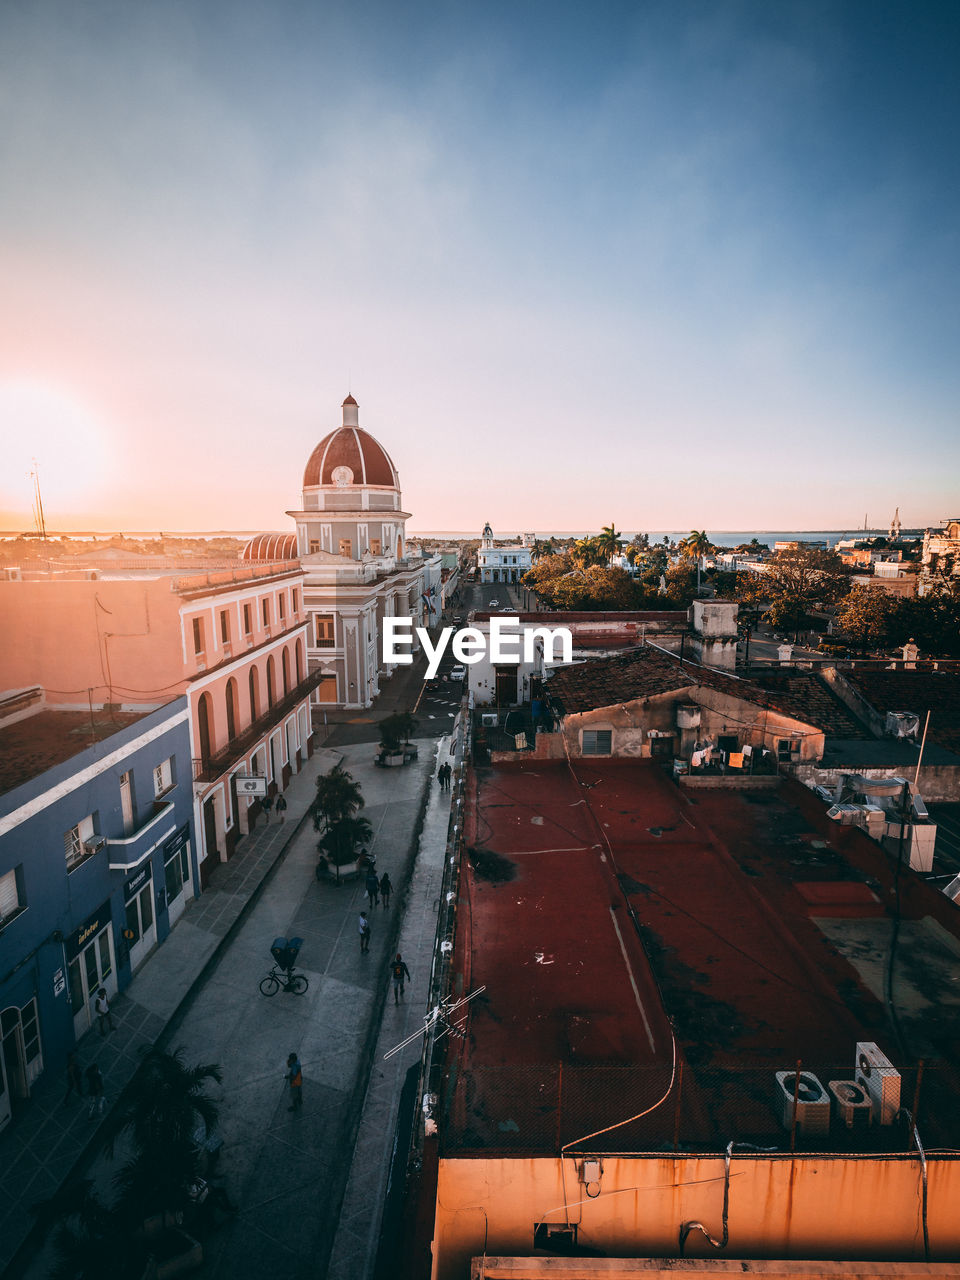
(129, 851)
(211, 767)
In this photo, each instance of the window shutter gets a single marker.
(9, 901)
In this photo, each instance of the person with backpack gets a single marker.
(295, 1078)
(281, 807)
(398, 971)
(386, 888)
(372, 885)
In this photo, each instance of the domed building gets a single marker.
(351, 544)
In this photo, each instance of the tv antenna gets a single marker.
(442, 1015)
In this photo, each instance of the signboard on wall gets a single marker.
(251, 784)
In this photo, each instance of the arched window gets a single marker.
(231, 700)
(299, 661)
(254, 693)
(285, 669)
(271, 681)
(205, 726)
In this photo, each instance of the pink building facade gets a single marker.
(233, 640)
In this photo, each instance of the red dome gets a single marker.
(271, 546)
(355, 449)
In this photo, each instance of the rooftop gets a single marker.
(603, 904)
(31, 746)
(917, 691)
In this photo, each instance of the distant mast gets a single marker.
(38, 516)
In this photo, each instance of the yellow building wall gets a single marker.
(807, 1207)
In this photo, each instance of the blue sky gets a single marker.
(671, 264)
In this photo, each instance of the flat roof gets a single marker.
(606, 910)
(31, 746)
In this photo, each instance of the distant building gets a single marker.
(97, 860)
(940, 557)
(504, 563)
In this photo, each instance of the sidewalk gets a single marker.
(48, 1140)
(358, 1230)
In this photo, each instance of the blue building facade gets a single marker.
(97, 861)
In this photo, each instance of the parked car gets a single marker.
(457, 673)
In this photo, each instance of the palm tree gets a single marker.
(160, 1125)
(540, 550)
(341, 840)
(696, 545)
(166, 1117)
(333, 810)
(608, 541)
(585, 552)
(338, 797)
(396, 727)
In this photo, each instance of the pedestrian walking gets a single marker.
(102, 1006)
(74, 1077)
(398, 971)
(441, 776)
(281, 807)
(373, 887)
(386, 888)
(267, 806)
(364, 932)
(295, 1078)
(95, 1089)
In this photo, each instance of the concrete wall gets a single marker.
(721, 714)
(938, 784)
(62, 634)
(816, 1206)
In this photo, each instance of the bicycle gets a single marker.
(277, 978)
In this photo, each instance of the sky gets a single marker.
(679, 264)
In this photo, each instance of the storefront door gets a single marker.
(176, 871)
(140, 927)
(89, 970)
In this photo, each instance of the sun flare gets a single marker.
(47, 431)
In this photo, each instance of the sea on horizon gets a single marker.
(722, 538)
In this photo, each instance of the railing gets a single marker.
(206, 769)
(851, 664)
(128, 851)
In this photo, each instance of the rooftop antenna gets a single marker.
(441, 1015)
(38, 517)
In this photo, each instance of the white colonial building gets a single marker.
(501, 564)
(351, 544)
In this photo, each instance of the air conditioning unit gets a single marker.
(880, 1080)
(851, 1104)
(94, 844)
(813, 1102)
(489, 719)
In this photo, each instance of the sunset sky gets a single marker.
(689, 263)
